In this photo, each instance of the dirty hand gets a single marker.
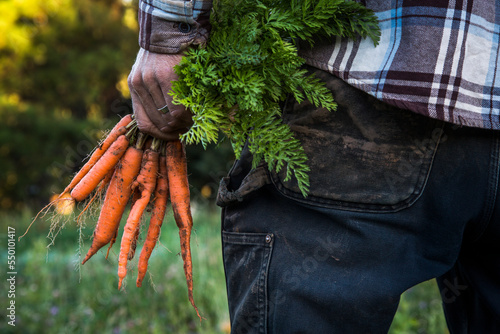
(149, 83)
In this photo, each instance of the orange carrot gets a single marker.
(107, 162)
(156, 220)
(102, 186)
(118, 130)
(135, 196)
(180, 199)
(146, 181)
(117, 196)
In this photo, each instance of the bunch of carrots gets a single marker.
(131, 167)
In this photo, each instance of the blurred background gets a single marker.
(63, 72)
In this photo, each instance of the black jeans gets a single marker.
(396, 199)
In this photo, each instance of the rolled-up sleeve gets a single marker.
(170, 26)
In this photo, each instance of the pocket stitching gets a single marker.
(262, 295)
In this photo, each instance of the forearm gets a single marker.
(170, 26)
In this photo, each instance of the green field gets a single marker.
(56, 295)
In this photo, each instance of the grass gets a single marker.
(54, 294)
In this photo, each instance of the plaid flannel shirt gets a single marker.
(438, 58)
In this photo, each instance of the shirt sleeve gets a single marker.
(170, 26)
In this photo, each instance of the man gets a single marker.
(404, 175)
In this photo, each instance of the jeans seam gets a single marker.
(265, 277)
(492, 192)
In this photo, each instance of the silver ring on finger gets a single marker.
(164, 109)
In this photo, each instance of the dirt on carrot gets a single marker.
(99, 171)
(119, 129)
(156, 220)
(146, 182)
(181, 206)
(117, 197)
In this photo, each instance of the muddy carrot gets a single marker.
(133, 246)
(104, 183)
(156, 220)
(146, 181)
(117, 196)
(99, 171)
(119, 129)
(180, 199)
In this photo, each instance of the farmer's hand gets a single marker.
(149, 83)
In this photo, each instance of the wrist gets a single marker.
(174, 26)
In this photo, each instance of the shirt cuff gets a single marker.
(170, 26)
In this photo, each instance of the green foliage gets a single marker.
(60, 63)
(40, 150)
(420, 311)
(235, 84)
(66, 54)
